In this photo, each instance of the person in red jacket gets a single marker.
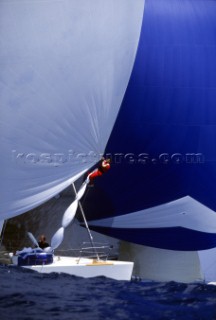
(103, 167)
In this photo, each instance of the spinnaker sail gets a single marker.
(65, 66)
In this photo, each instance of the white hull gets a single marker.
(86, 268)
(169, 265)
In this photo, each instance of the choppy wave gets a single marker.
(26, 294)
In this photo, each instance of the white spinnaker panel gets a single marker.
(185, 212)
(65, 66)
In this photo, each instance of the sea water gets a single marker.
(26, 294)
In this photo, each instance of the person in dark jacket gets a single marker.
(42, 242)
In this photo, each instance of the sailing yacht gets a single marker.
(133, 80)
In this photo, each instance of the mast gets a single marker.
(2, 229)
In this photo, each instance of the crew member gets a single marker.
(103, 167)
(42, 242)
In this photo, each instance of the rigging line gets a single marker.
(85, 195)
(86, 224)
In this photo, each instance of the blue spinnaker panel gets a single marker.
(167, 121)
